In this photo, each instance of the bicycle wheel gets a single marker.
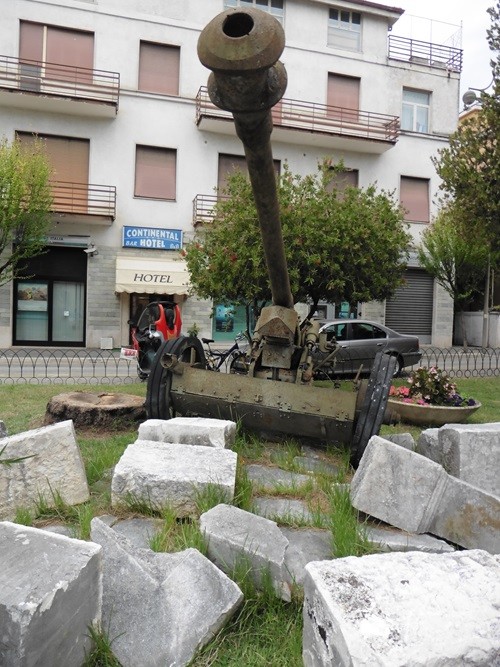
(188, 349)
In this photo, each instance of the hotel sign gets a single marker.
(152, 237)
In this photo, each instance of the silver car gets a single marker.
(358, 342)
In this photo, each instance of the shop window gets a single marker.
(414, 197)
(344, 29)
(155, 172)
(159, 68)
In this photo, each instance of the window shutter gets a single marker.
(73, 48)
(31, 41)
(414, 197)
(155, 172)
(159, 68)
(343, 96)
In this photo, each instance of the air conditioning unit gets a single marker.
(106, 343)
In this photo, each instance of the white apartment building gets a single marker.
(116, 90)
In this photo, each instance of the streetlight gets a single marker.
(469, 97)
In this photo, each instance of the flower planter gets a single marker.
(427, 415)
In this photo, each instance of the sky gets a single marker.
(447, 18)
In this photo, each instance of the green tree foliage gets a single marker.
(349, 246)
(25, 202)
(470, 166)
(455, 258)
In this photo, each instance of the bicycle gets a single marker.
(234, 358)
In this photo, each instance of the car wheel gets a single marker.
(399, 367)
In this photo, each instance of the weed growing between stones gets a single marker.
(243, 489)
(101, 654)
(24, 517)
(177, 534)
(348, 534)
(209, 496)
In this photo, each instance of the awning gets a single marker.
(153, 276)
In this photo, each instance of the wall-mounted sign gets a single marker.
(75, 240)
(152, 237)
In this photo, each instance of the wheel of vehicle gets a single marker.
(188, 349)
(399, 367)
(238, 365)
(374, 404)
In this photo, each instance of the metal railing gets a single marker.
(425, 53)
(94, 366)
(319, 118)
(203, 208)
(84, 199)
(53, 79)
(68, 366)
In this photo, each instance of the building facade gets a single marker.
(116, 91)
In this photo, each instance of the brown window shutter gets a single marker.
(155, 172)
(73, 48)
(343, 97)
(159, 68)
(414, 197)
(31, 41)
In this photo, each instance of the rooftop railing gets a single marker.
(319, 118)
(32, 76)
(425, 53)
(84, 199)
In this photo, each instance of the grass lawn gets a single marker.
(266, 631)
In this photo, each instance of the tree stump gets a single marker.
(87, 409)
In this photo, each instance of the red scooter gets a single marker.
(159, 321)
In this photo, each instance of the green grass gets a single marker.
(265, 631)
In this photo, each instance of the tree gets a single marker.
(470, 166)
(25, 202)
(349, 246)
(456, 258)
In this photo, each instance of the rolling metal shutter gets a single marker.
(410, 309)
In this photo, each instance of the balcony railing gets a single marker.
(83, 199)
(424, 53)
(316, 118)
(52, 79)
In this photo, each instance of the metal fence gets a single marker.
(93, 366)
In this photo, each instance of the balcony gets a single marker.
(30, 84)
(82, 202)
(312, 124)
(413, 51)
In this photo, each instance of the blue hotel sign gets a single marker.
(152, 237)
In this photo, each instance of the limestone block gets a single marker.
(50, 593)
(405, 440)
(305, 545)
(55, 466)
(471, 452)
(417, 495)
(428, 445)
(397, 486)
(238, 537)
(190, 431)
(389, 539)
(403, 609)
(160, 608)
(171, 474)
(270, 479)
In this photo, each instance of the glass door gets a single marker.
(68, 305)
(32, 318)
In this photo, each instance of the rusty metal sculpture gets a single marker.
(242, 48)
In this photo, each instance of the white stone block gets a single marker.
(235, 536)
(417, 495)
(402, 610)
(168, 474)
(55, 467)
(428, 445)
(471, 452)
(190, 431)
(160, 607)
(50, 593)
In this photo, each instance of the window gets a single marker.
(344, 30)
(62, 46)
(159, 68)
(415, 116)
(155, 170)
(342, 180)
(273, 7)
(228, 164)
(414, 197)
(343, 97)
(363, 331)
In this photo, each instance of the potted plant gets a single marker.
(429, 397)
